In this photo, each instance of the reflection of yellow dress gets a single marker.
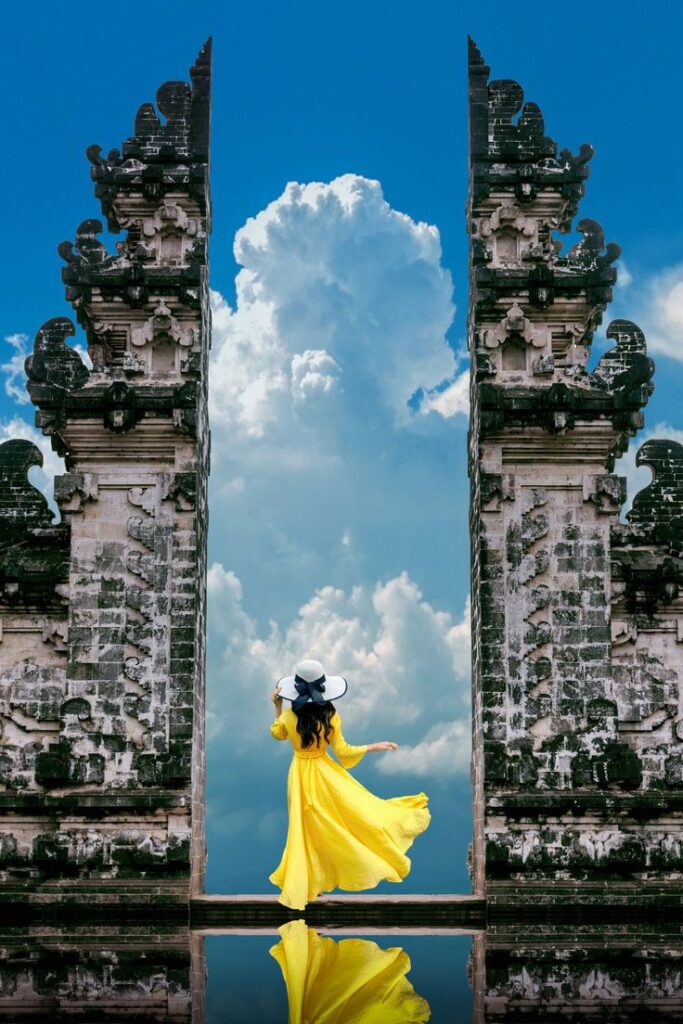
(340, 836)
(347, 982)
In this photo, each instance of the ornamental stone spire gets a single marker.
(102, 614)
(577, 621)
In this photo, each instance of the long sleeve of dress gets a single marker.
(278, 730)
(348, 755)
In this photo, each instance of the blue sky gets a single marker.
(339, 491)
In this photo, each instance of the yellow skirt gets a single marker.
(342, 836)
(331, 982)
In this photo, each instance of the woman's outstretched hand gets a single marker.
(384, 745)
(275, 697)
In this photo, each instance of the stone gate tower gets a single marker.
(577, 618)
(102, 614)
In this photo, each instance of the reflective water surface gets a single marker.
(535, 972)
(378, 979)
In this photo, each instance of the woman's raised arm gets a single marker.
(277, 729)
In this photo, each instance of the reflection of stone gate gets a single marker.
(102, 972)
(556, 971)
(577, 620)
(102, 616)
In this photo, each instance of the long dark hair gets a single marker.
(313, 721)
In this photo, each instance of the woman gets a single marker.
(350, 980)
(340, 834)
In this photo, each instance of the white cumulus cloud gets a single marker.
(625, 277)
(451, 400)
(314, 373)
(664, 313)
(444, 751)
(335, 285)
(13, 369)
(337, 403)
(655, 303)
(407, 664)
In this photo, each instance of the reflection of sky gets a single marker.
(245, 983)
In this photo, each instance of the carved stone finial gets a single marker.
(173, 101)
(21, 504)
(53, 362)
(626, 369)
(591, 252)
(509, 147)
(184, 133)
(522, 139)
(88, 249)
(657, 510)
(169, 152)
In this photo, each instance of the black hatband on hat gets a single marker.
(308, 691)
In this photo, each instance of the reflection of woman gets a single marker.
(348, 982)
(340, 834)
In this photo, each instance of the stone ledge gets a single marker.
(556, 803)
(443, 911)
(96, 934)
(589, 902)
(23, 903)
(558, 905)
(91, 804)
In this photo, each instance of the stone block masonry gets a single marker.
(577, 617)
(559, 971)
(102, 616)
(102, 973)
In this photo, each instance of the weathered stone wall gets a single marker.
(102, 617)
(102, 974)
(579, 972)
(576, 621)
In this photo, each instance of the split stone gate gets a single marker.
(577, 620)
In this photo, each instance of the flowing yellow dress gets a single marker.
(340, 835)
(349, 982)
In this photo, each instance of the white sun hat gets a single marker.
(309, 684)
